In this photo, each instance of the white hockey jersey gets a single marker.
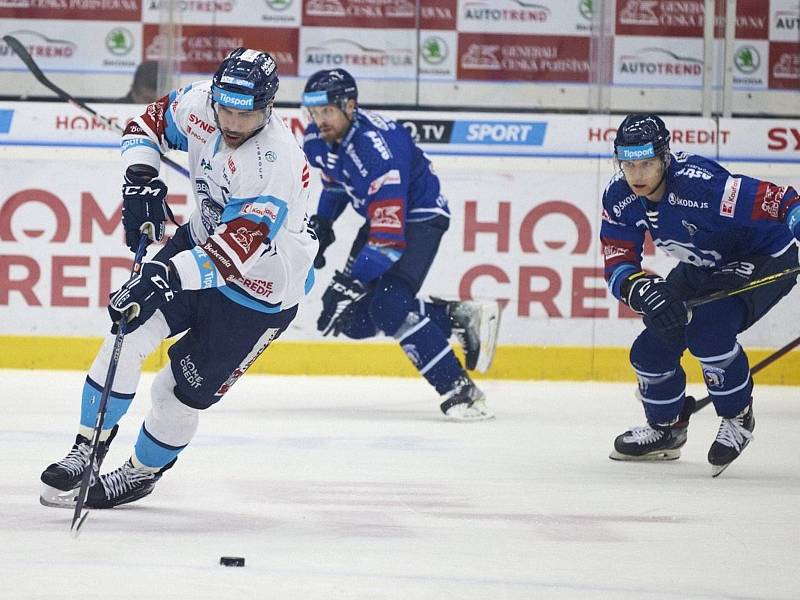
(250, 222)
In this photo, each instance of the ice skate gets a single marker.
(126, 484)
(733, 436)
(465, 402)
(647, 443)
(61, 480)
(475, 324)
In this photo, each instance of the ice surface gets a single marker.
(357, 488)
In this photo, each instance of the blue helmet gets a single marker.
(246, 79)
(333, 86)
(641, 136)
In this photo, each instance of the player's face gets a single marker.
(645, 177)
(332, 121)
(238, 125)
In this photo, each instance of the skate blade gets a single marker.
(659, 455)
(56, 498)
(490, 325)
(716, 470)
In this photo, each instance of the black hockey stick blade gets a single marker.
(26, 57)
(703, 402)
(751, 285)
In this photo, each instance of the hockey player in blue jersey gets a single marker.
(373, 164)
(230, 279)
(725, 230)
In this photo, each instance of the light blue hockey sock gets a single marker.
(154, 453)
(116, 406)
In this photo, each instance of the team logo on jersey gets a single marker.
(270, 156)
(391, 177)
(205, 165)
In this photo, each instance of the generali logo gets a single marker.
(787, 67)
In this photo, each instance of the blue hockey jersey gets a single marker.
(707, 218)
(387, 179)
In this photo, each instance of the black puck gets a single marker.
(231, 561)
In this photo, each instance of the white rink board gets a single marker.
(524, 228)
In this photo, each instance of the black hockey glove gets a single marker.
(731, 276)
(144, 293)
(338, 303)
(323, 227)
(144, 210)
(652, 297)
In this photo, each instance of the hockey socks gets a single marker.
(728, 381)
(152, 453)
(429, 351)
(116, 408)
(662, 394)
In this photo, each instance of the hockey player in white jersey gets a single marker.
(230, 279)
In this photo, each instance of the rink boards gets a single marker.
(525, 203)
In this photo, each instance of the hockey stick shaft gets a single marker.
(751, 285)
(703, 402)
(79, 516)
(26, 57)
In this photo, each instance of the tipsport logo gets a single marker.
(233, 100)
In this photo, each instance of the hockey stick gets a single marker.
(91, 472)
(755, 283)
(25, 56)
(703, 402)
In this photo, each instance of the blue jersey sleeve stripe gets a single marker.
(617, 276)
(310, 280)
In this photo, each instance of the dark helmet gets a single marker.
(334, 86)
(246, 79)
(641, 136)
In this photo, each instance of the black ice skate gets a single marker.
(655, 442)
(465, 402)
(123, 485)
(733, 436)
(649, 443)
(63, 478)
(475, 324)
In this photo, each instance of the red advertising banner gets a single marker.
(118, 10)
(381, 14)
(685, 18)
(501, 57)
(203, 48)
(438, 14)
(784, 66)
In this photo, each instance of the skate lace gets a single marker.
(124, 479)
(733, 433)
(644, 435)
(77, 459)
